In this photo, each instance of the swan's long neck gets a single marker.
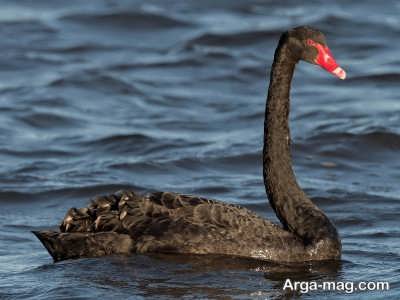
(292, 206)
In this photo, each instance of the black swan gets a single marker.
(165, 222)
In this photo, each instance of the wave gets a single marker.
(79, 48)
(211, 190)
(389, 77)
(352, 145)
(50, 101)
(331, 22)
(48, 120)
(200, 164)
(133, 20)
(55, 194)
(26, 26)
(122, 143)
(97, 81)
(53, 153)
(142, 167)
(243, 38)
(179, 62)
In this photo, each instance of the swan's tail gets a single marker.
(62, 245)
(49, 241)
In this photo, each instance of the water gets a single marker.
(169, 95)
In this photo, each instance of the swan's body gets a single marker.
(126, 222)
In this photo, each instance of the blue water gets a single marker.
(96, 96)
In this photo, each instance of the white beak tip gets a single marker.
(339, 72)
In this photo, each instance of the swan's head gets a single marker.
(309, 44)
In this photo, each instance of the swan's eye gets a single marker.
(310, 42)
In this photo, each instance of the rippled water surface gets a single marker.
(96, 96)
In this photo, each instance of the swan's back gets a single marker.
(165, 222)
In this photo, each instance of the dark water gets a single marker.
(169, 95)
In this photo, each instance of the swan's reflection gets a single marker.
(168, 276)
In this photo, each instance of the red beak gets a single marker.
(325, 60)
